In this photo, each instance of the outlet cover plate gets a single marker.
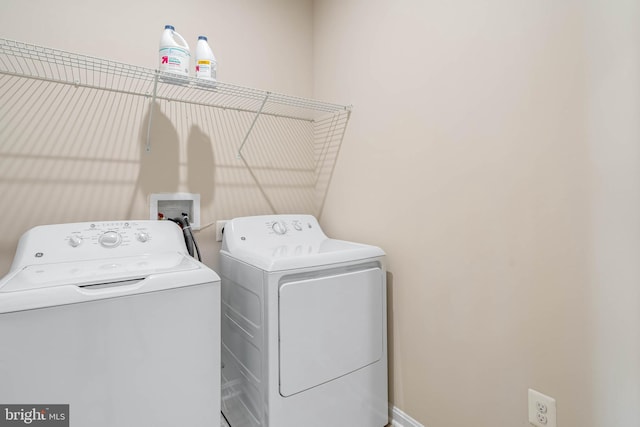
(542, 409)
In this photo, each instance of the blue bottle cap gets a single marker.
(202, 38)
(169, 27)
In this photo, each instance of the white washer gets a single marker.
(114, 319)
(303, 326)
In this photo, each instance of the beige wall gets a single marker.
(494, 153)
(73, 154)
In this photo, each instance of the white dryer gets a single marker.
(114, 319)
(303, 326)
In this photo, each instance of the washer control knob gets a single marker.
(297, 226)
(110, 239)
(279, 227)
(75, 241)
(142, 236)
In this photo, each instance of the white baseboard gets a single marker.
(401, 419)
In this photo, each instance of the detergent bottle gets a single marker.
(174, 52)
(206, 65)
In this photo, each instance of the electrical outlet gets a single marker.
(542, 409)
(219, 228)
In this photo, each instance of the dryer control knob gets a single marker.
(142, 237)
(279, 227)
(110, 239)
(75, 241)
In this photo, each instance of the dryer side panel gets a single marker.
(243, 343)
(329, 326)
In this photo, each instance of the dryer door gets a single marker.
(329, 326)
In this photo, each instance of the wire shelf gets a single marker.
(54, 65)
(272, 151)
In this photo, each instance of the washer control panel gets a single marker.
(110, 234)
(94, 240)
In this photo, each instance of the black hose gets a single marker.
(187, 229)
(189, 241)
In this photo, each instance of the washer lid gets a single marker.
(96, 272)
(49, 285)
(285, 242)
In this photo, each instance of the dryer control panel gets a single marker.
(96, 240)
(283, 242)
(269, 231)
(281, 225)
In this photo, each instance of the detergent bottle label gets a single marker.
(174, 60)
(203, 68)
